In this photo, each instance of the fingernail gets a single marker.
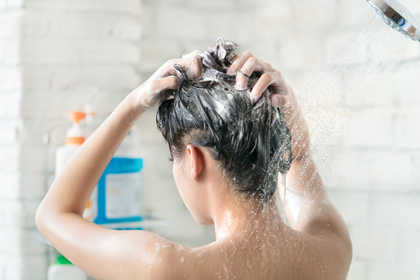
(254, 98)
(240, 87)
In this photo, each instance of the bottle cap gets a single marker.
(62, 260)
(77, 116)
(75, 140)
(76, 135)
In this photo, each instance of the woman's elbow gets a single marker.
(41, 218)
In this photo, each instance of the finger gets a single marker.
(159, 85)
(266, 66)
(278, 100)
(168, 68)
(239, 62)
(195, 67)
(170, 82)
(262, 84)
(234, 59)
(242, 76)
(191, 64)
(279, 87)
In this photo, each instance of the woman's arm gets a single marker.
(105, 253)
(304, 197)
(305, 200)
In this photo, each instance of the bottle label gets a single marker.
(123, 195)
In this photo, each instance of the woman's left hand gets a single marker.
(282, 96)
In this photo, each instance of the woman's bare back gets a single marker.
(266, 254)
(315, 246)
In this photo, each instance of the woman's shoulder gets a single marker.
(175, 261)
(170, 260)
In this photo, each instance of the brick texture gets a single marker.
(355, 79)
(370, 160)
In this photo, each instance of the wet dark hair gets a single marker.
(251, 141)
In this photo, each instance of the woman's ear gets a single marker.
(195, 158)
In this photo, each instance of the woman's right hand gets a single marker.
(149, 93)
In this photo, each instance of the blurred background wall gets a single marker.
(355, 78)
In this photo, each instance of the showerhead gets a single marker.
(398, 17)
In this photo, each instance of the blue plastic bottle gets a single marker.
(118, 192)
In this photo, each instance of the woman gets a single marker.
(233, 127)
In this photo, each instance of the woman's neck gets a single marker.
(244, 216)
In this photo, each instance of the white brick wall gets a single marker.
(172, 28)
(11, 218)
(369, 161)
(355, 78)
(55, 56)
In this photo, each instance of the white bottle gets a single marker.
(89, 123)
(127, 199)
(75, 137)
(122, 187)
(64, 270)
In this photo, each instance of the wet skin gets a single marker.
(252, 241)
